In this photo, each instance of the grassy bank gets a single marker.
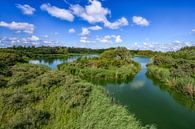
(175, 71)
(115, 64)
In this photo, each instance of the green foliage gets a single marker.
(145, 53)
(7, 60)
(175, 70)
(114, 64)
(184, 53)
(24, 73)
(29, 119)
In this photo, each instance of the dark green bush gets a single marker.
(29, 119)
(24, 73)
(114, 64)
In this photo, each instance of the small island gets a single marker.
(111, 65)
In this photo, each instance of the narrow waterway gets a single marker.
(150, 103)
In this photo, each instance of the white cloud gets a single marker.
(117, 24)
(109, 39)
(95, 28)
(95, 13)
(84, 39)
(33, 38)
(58, 12)
(159, 46)
(27, 41)
(72, 30)
(118, 39)
(105, 39)
(86, 30)
(138, 20)
(193, 30)
(19, 26)
(26, 9)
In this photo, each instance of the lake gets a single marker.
(150, 102)
(53, 63)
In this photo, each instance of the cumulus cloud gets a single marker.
(117, 24)
(58, 12)
(96, 13)
(109, 39)
(105, 39)
(33, 38)
(26, 9)
(93, 13)
(159, 46)
(27, 41)
(193, 30)
(84, 39)
(72, 30)
(138, 20)
(95, 28)
(19, 26)
(86, 30)
(118, 39)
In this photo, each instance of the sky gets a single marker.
(161, 25)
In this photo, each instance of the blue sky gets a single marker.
(136, 24)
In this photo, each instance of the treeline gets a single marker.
(146, 53)
(50, 52)
(176, 70)
(46, 50)
(56, 50)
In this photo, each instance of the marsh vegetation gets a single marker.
(35, 96)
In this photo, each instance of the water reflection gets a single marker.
(151, 103)
(53, 63)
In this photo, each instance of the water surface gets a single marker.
(53, 63)
(150, 103)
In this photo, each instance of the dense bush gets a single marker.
(114, 64)
(24, 73)
(175, 70)
(7, 60)
(29, 119)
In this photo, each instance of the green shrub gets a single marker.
(29, 119)
(176, 70)
(24, 73)
(115, 64)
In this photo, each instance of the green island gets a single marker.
(176, 70)
(111, 65)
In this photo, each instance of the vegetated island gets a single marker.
(175, 70)
(33, 96)
(111, 65)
